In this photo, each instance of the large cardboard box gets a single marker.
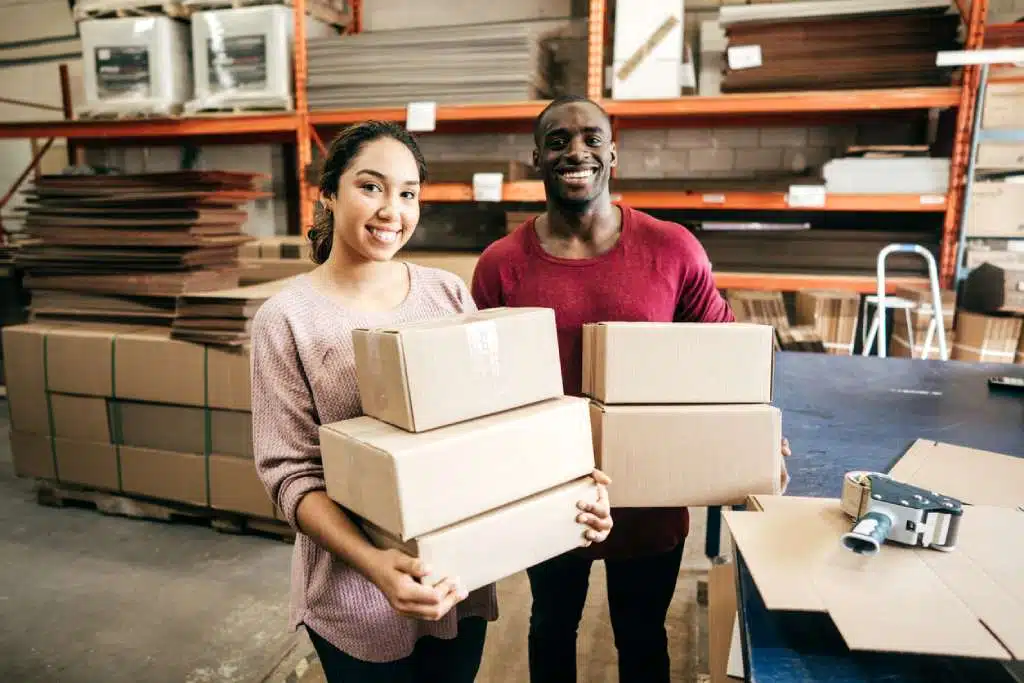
(424, 375)
(657, 363)
(410, 484)
(678, 456)
(961, 603)
(986, 338)
(489, 547)
(996, 209)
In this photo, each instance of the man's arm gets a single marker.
(486, 285)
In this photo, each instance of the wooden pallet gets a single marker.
(322, 11)
(114, 9)
(134, 507)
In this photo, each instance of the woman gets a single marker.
(365, 611)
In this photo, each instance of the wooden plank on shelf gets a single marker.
(793, 282)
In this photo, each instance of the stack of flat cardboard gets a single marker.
(120, 247)
(223, 317)
(677, 420)
(830, 45)
(274, 258)
(832, 314)
(466, 436)
(127, 410)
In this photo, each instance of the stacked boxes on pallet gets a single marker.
(466, 434)
(126, 409)
(681, 411)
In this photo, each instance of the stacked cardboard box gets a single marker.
(920, 319)
(681, 412)
(125, 409)
(990, 322)
(832, 314)
(466, 436)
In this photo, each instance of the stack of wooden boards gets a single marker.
(446, 65)
(837, 44)
(123, 247)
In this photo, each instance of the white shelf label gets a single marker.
(713, 198)
(421, 117)
(744, 56)
(812, 196)
(932, 199)
(487, 187)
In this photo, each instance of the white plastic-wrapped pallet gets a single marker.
(135, 65)
(242, 57)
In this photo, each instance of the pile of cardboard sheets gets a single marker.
(446, 65)
(222, 317)
(839, 44)
(122, 247)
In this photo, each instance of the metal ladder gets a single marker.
(883, 303)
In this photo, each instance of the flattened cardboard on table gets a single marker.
(676, 455)
(424, 375)
(966, 602)
(411, 483)
(648, 363)
(494, 545)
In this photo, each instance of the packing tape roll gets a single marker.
(856, 490)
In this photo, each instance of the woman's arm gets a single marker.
(287, 454)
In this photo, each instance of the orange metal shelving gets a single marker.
(788, 282)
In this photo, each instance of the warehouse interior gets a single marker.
(853, 170)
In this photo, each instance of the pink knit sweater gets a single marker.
(303, 375)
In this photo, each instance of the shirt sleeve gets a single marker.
(486, 286)
(286, 438)
(699, 299)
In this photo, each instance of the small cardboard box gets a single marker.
(410, 484)
(489, 547)
(640, 362)
(424, 375)
(669, 456)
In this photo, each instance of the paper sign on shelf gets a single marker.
(806, 196)
(744, 56)
(487, 187)
(713, 198)
(932, 199)
(421, 116)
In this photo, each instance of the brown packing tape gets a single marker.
(854, 500)
(482, 336)
(627, 69)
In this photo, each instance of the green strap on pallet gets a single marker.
(49, 405)
(117, 431)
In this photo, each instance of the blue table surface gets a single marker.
(844, 413)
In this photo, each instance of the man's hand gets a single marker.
(597, 516)
(786, 452)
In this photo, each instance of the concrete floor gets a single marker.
(89, 598)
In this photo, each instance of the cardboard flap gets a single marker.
(911, 600)
(974, 476)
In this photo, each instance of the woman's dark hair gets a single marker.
(342, 151)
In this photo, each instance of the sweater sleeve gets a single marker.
(286, 439)
(699, 299)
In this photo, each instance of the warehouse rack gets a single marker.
(307, 128)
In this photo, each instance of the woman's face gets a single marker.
(377, 206)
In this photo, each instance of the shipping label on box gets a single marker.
(424, 375)
(638, 362)
(412, 483)
(489, 547)
(679, 456)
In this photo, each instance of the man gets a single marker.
(591, 260)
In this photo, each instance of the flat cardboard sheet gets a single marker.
(967, 602)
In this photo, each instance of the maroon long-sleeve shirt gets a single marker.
(656, 272)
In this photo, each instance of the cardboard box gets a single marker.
(899, 347)
(409, 484)
(424, 375)
(656, 363)
(1002, 106)
(907, 600)
(986, 338)
(679, 456)
(833, 313)
(1008, 156)
(996, 209)
(499, 543)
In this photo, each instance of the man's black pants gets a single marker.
(639, 593)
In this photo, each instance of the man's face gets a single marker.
(575, 153)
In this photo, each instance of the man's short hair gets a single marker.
(558, 102)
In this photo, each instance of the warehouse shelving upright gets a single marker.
(307, 129)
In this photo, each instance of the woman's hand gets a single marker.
(397, 575)
(786, 452)
(598, 515)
